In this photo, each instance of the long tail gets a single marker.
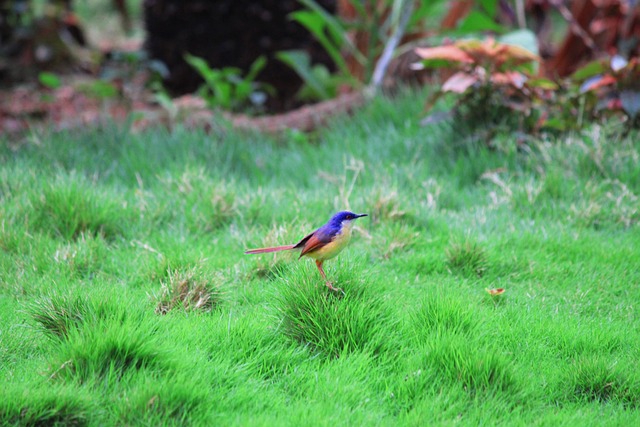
(267, 250)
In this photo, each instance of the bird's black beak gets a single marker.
(361, 215)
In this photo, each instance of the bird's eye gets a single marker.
(349, 216)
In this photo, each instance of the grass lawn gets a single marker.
(126, 298)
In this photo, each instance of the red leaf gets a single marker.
(591, 69)
(496, 54)
(597, 82)
(515, 55)
(459, 82)
(614, 104)
(512, 78)
(447, 53)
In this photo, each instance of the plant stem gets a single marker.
(390, 47)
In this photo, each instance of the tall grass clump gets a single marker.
(466, 257)
(476, 368)
(58, 314)
(451, 350)
(450, 364)
(70, 206)
(175, 400)
(85, 257)
(594, 379)
(441, 314)
(330, 322)
(43, 406)
(106, 350)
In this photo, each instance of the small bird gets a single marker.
(324, 243)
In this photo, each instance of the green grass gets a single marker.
(126, 297)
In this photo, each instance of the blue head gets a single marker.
(344, 218)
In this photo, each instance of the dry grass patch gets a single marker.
(190, 290)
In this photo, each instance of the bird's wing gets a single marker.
(315, 240)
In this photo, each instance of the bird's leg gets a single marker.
(324, 276)
(321, 270)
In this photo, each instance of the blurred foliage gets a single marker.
(506, 83)
(495, 82)
(35, 39)
(354, 38)
(532, 66)
(226, 88)
(47, 35)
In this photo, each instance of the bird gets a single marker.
(323, 244)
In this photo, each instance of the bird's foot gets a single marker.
(333, 288)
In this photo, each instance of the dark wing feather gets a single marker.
(302, 242)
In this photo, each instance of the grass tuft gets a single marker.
(597, 380)
(442, 314)
(461, 361)
(329, 322)
(467, 257)
(190, 290)
(43, 407)
(106, 350)
(170, 401)
(70, 207)
(59, 314)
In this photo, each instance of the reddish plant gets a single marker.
(614, 83)
(487, 74)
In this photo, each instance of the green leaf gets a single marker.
(543, 83)
(222, 94)
(316, 25)
(338, 33)
(300, 62)
(100, 89)
(337, 30)
(49, 80)
(201, 66)
(226, 87)
(591, 69)
(329, 82)
(243, 89)
(422, 11)
(555, 123)
(439, 63)
(489, 6)
(257, 66)
(477, 22)
(524, 38)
